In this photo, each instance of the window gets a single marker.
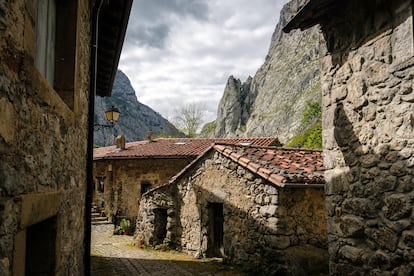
(45, 38)
(180, 143)
(145, 187)
(101, 186)
(56, 45)
(246, 143)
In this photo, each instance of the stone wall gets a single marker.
(368, 121)
(265, 228)
(124, 191)
(160, 198)
(43, 144)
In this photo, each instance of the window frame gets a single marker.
(55, 49)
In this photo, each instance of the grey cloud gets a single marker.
(168, 69)
(149, 23)
(147, 35)
(144, 10)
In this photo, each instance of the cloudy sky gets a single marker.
(179, 52)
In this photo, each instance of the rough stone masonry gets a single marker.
(368, 133)
(42, 167)
(271, 229)
(45, 68)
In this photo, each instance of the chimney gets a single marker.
(150, 136)
(120, 142)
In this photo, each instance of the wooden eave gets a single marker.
(113, 21)
(311, 13)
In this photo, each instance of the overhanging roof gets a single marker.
(113, 21)
(309, 14)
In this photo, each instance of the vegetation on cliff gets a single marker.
(311, 136)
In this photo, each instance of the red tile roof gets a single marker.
(175, 147)
(299, 168)
(278, 165)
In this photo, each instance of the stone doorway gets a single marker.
(41, 248)
(160, 225)
(215, 230)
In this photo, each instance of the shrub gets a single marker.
(310, 138)
(312, 112)
(125, 226)
(124, 229)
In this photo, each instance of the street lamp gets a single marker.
(112, 115)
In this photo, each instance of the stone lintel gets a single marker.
(38, 207)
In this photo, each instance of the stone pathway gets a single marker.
(114, 255)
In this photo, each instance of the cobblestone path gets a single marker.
(114, 255)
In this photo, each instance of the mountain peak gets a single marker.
(136, 119)
(273, 101)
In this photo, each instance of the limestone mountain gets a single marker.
(273, 102)
(136, 119)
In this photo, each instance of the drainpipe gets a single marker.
(199, 197)
(91, 113)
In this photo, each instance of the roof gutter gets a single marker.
(302, 185)
(91, 112)
(309, 14)
(145, 157)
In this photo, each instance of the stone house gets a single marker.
(260, 207)
(122, 173)
(367, 68)
(47, 73)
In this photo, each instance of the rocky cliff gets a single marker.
(273, 101)
(136, 119)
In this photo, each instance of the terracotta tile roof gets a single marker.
(278, 165)
(175, 147)
(299, 168)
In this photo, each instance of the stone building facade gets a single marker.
(122, 173)
(119, 184)
(246, 205)
(45, 53)
(367, 69)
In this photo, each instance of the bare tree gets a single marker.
(189, 118)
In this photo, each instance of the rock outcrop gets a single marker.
(234, 107)
(136, 119)
(273, 101)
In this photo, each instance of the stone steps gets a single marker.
(98, 219)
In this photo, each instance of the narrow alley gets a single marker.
(115, 255)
